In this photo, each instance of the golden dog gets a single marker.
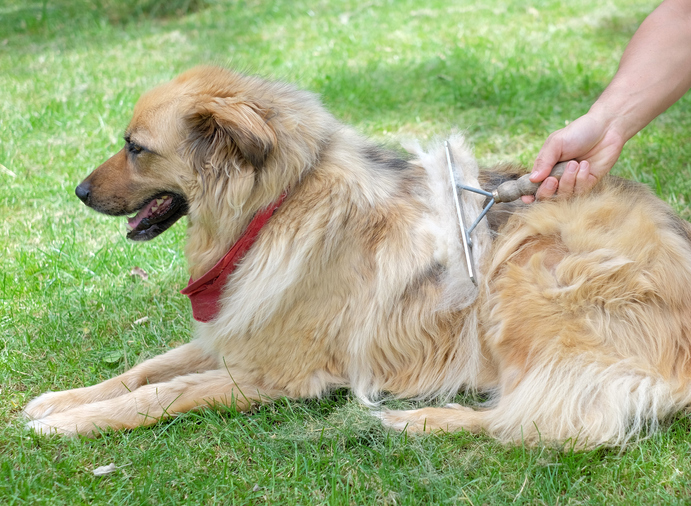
(319, 260)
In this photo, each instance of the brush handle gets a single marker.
(513, 190)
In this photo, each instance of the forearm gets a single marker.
(654, 72)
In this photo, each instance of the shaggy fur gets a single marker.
(579, 328)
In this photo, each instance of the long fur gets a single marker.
(579, 328)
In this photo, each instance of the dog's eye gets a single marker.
(133, 148)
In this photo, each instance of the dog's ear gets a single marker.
(222, 128)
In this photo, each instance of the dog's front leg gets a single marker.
(151, 403)
(183, 360)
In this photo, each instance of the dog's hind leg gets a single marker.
(151, 403)
(186, 359)
(574, 400)
(449, 419)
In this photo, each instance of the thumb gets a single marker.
(546, 159)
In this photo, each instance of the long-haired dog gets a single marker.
(320, 260)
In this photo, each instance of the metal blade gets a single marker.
(467, 245)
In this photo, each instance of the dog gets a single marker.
(320, 260)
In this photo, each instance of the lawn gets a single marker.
(505, 72)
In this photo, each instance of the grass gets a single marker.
(504, 71)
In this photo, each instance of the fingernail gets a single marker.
(572, 167)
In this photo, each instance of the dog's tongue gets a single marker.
(157, 207)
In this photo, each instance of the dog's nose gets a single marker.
(83, 191)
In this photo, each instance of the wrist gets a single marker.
(616, 120)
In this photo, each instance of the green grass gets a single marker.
(507, 73)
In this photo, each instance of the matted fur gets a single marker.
(579, 327)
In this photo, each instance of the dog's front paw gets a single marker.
(59, 413)
(52, 402)
(41, 406)
(78, 421)
(47, 426)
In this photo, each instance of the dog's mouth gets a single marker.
(156, 216)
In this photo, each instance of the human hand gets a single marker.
(596, 146)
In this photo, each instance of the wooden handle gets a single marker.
(513, 190)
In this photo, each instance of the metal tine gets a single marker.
(490, 203)
(467, 244)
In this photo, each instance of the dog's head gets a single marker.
(209, 133)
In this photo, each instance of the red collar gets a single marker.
(205, 292)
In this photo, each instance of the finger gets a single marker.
(543, 166)
(568, 179)
(547, 189)
(528, 199)
(585, 180)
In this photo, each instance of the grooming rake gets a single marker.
(505, 192)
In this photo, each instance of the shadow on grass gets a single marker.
(45, 19)
(470, 77)
(435, 87)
